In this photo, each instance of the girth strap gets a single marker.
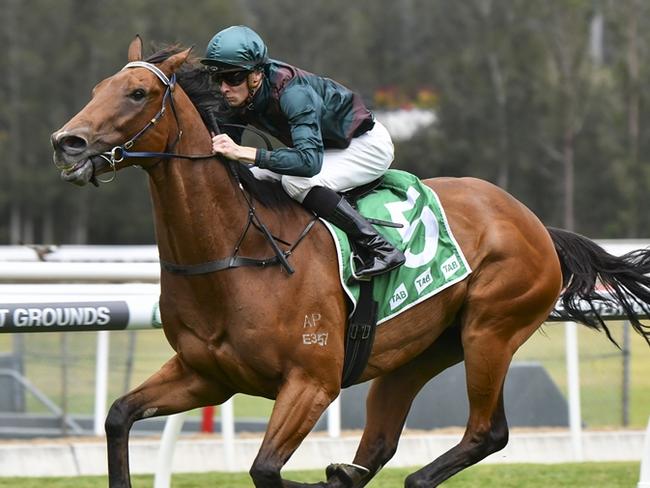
(360, 336)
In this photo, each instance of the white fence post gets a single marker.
(334, 418)
(573, 388)
(644, 478)
(101, 381)
(228, 432)
(173, 426)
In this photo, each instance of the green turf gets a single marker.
(583, 475)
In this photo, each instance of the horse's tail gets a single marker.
(622, 281)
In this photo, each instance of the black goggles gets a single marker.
(232, 78)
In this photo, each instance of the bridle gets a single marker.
(121, 152)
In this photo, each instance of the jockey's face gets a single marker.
(236, 95)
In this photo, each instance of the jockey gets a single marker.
(333, 143)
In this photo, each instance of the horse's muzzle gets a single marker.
(75, 156)
(78, 174)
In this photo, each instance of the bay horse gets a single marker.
(240, 329)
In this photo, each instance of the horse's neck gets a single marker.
(198, 211)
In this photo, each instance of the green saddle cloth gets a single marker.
(434, 261)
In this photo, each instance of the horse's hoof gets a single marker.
(346, 475)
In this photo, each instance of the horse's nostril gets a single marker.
(72, 144)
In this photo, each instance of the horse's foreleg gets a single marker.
(298, 406)
(174, 388)
(389, 401)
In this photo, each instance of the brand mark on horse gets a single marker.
(311, 320)
(319, 339)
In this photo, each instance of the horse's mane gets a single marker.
(206, 97)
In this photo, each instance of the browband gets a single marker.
(151, 67)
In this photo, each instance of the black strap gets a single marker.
(218, 265)
(358, 192)
(236, 261)
(361, 335)
(253, 219)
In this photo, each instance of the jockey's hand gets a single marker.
(222, 144)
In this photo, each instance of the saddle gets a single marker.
(359, 192)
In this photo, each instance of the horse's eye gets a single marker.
(137, 94)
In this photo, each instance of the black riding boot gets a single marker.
(379, 255)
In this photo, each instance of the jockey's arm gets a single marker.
(303, 108)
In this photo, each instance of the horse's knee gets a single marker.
(119, 418)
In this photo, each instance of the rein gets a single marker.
(121, 152)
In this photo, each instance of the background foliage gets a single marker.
(548, 99)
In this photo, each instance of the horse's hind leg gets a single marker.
(488, 349)
(389, 401)
(174, 388)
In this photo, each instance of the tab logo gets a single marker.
(449, 267)
(423, 281)
(399, 296)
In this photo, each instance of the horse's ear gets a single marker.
(135, 49)
(171, 64)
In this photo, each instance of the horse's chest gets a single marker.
(231, 355)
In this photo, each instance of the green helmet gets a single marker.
(236, 48)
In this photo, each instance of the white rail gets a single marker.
(73, 253)
(52, 272)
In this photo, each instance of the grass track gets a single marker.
(583, 475)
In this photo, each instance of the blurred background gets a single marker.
(546, 98)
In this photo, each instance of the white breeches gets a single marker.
(364, 160)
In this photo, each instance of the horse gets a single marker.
(238, 329)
